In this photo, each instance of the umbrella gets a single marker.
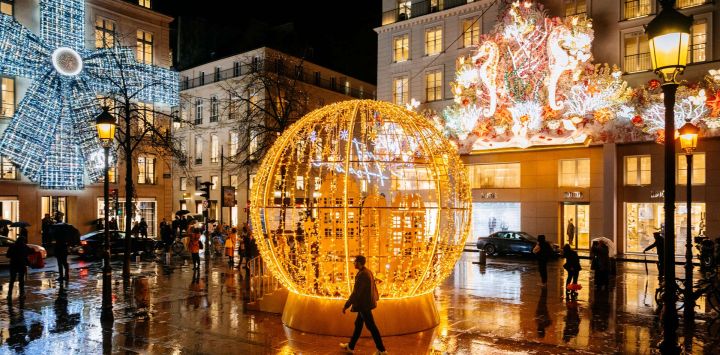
(182, 212)
(612, 249)
(20, 224)
(5, 222)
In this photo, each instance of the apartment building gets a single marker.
(107, 22)
(613, 190)
(213, 131)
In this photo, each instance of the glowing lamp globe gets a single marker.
(361, 178)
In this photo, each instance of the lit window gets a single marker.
(698, 40)
(183, 183)
(104, 33)
(234, 181)
(198, 111)
(637, 170)
(234, 143)
(198, 149)
(433, 85)
(400, 90)
(471, 32)
(254, 143)
(112, 174)
(215, 182)
(636, 8)
(698, 171)
(234, 107)
(575, 8)
(299, 183)
(7, 105)
(214, 148)
(144, 47)
(6, 7)
(214, 109)
(682, 4)
(146, 119)
(401, 48)
(637, 52)
(8, 170)
(146, 170)
(498, 176)
(404, 9)
(574, 173)
(433, 41)
(144, 3)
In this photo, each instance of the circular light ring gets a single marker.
(67, 61)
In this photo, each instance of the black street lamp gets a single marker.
(105, 124)
(688, 136)
(669, 38)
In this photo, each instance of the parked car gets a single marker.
(38, 251)
(511, 242)
(91, 244)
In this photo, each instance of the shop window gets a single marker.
(698, 171)
(401, 48)
(144, 50)
(146, 209)
(146, 170)
(8, 170)
(53, 204)
(576, 8)
(636, 8)
(433, 41)
(7, 104)
(498, 176)
(644, 219)
(574, 173)
(471, 31)
(400, 90)
(698, 40)
(433, 85)
(104, 33)
(491, 217)
(637, 170)
(637, 52)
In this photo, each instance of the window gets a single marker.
(436, 5)
(234, 107)
(234, 181)
(433, 41)
(433, 85)
(201, 78)
(198, 149)
(183, 183)
(6, 7)
(400, 90)
(9, 171)
(471, 31)
(234, 143)
(146, 120)
(104, 33)
(144, 47)
(112, 174)
(498, 176)
(404, 9)
(681, 4)
(575, 8)
(144, 3)
(401, 48)
(214, 109)
(7, 105)
(214, 148)
(236, 68)
(698, 39)
(199, 111)
(216, 75)
(698, 171)
(53, 204)
(146, 170)
(637, 170)
(300, 183)
(636, 8)
(198, 182)
(574, 173)
(637, 52)
(215, 182)
(254, 140)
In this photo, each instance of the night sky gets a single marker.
(325, 32)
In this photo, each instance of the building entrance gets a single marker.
(9, 210)
(575, 222)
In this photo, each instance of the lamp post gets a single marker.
(669, 37)
(688, 135)
(105, 124)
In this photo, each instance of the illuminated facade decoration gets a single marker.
(361, 177)
(52, 136)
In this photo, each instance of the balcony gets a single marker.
(637, 63)
(283, 68)
(405, 12)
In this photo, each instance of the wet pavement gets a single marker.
(492, 309)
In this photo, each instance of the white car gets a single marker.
(5, 243)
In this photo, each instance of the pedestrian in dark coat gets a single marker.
(572, 266)
(46, 223)
(543, 252)
(659, 245)
(18, 254)
(600, 256)
(64, 235)
(363, 300)
(143, 228)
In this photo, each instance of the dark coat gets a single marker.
(64, 235)
(545, 253)
(572, 260)
(18, 254)
(364, 294)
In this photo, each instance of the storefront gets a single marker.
(9, 210)
(576, 221)
(490, 217)
(644, 219)
(144, 208)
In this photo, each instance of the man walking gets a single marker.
(18, 253)
(63, 234)
(543, 252)
(570, 232)
(659, 245)
(363, 300)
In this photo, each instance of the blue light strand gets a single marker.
(62, 23)
(22, 53)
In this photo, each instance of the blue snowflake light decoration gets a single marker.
(52, 137)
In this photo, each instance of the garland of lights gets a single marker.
(361, 177)
(52, 136)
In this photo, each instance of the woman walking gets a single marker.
(572, 266)
(195, 245)
(230, 247)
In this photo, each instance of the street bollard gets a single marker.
(141, 292)
(482, 257)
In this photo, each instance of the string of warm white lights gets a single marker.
(361, 177)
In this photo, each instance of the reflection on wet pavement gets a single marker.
(494, 309)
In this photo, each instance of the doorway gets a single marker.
(579, 215)
(9, 210)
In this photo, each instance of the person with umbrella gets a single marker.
(23, 229)
(18, 254)
(63, 234)
(4, 230)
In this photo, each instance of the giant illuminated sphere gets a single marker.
(361, 178)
